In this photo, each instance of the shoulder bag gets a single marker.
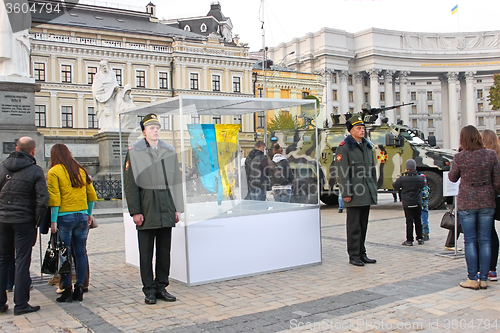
(448, 221)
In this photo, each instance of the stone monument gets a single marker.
(109, 102)
(17, 88)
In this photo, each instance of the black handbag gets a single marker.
(56, 257)
(448, 221)
(497, 210)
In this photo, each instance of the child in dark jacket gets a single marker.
(411, 185)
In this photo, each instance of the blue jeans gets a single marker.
(282, 195)
(476, 224)
(341, 201)
(257, 194)
(73, 229)
(424, 217)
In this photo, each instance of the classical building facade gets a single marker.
(445, 75)
(159, 61)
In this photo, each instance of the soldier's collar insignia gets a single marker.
(342, 143)
(339, 157)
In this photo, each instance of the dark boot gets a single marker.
(78, 293)
(66, 296)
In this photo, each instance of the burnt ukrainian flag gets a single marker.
(454, 9)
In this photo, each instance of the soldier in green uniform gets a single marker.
(357, 179)
(152, 183)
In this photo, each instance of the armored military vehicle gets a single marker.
(393, 145)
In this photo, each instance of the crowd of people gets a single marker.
(152, 184)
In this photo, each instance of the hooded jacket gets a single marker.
(411, 185)
(281, 174)
(23, 197)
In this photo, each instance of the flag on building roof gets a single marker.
(454, 9)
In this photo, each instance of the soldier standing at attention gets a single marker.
(152, 182)
(357, 178)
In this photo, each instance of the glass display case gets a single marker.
(222, 234)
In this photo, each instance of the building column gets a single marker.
(389, 96)
(471, 106)
(80, 112)
(453, 110)
(128, 76)
(344, 92)
(358, 91)
(81, 76)
(445, 113)
(151, 76)
(53, 111)
(403, 94)
(52, 77)
(327, 74)
(374, 92)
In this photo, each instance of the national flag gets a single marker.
(454, 9)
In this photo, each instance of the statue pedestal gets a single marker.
(17, 116)
(109, 154)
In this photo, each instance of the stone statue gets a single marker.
(125, 102)
(104, 89)
(15, 50)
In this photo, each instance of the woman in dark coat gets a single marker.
(479, 172)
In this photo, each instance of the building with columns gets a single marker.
(445, 75)
(159, 61)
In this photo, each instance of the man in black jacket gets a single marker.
(257, 168)
(23, 201)
(411, 185)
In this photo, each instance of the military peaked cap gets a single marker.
(354, 121)
(149, 119)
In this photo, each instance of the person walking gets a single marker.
(281, 176)
(357, 179)
(425, 209)
(23, 202)
(153, 190)
(490, 141)
(257, 168)
(71, 202)
(479, 172)
(411, 185)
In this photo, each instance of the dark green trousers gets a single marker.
(147, 238)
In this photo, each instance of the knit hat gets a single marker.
(353, 121)
(149, 119)
(411, 165)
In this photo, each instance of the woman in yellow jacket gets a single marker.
(71, 200)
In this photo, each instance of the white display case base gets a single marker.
(236, 243)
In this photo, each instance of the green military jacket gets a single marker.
(146, 190)
(356, 173)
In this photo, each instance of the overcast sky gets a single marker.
(287, 19)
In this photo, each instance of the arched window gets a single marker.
(203, 27)
(187, 28)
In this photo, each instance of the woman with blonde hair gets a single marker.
(491, 141)
(71, 200)
(479, 172)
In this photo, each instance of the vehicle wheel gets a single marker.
(435, 183)
(330, 199)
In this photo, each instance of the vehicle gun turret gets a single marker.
(370, 115)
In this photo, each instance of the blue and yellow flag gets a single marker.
(454, 9)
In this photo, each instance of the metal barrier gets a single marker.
(108, 189)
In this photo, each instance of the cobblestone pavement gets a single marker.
(409, 289)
